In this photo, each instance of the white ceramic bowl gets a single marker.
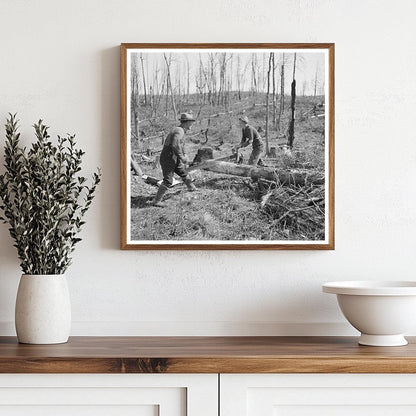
(381, 311)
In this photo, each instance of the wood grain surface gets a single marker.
(206, 355)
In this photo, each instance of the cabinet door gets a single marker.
(108, 395)
(318, 394)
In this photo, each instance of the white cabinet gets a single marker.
(197, 395)
(318, 394)
(108, 395)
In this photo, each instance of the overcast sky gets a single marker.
(309, 64)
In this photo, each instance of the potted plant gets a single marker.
(44, 199)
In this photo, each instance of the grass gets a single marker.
(208, 214)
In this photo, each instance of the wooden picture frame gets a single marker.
(298, 217)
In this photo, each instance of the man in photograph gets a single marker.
(173, 158)
(251, 136)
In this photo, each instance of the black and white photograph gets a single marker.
(227, 146)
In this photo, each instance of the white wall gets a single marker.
(60, 61)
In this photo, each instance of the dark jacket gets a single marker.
(251, 135)
(174, 146)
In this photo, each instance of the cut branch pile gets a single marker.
(296, 209)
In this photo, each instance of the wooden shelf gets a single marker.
(206, 355)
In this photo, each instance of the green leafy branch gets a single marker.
(44, 199)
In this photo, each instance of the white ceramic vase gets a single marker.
(43, 309)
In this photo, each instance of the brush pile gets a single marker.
(299, 210)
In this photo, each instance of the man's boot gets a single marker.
(189, 184)
(158, 198)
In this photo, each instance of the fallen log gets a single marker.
(295, 178)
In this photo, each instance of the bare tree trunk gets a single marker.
(151, 98)
(315, 82)
(178, 83)
(153, 89)
(282, 93)
(187, 79)
(229, 94)
(253, 74)
(166, 83)
(291, 132)
(238, 77)
(169, 82)
(147, 73)
(208, 80)
(135, 95)
(274, 90)
(267, 104)
(156, 92)
(303, 88)
(282, 83)
(144, 80)
(220, 98)
(220, 89)
(230, 82)
(212, 79)
(201, 85)
(222, 93)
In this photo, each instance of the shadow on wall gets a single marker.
(109, 98)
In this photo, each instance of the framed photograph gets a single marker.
(227, 146)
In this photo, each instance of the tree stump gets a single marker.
(204, 153)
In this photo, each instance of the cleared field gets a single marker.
(228, 207)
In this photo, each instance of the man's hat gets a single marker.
(244, 119)
(186, 117)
